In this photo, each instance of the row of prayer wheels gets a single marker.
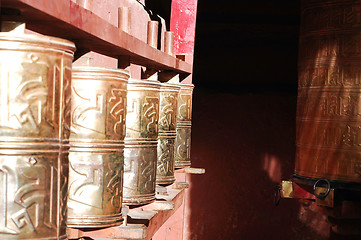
(77, 143)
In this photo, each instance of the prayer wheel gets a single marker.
(96, 160)
(35, 81)
(140, 153)
(167, 133)
(329, 95)
(182, 149)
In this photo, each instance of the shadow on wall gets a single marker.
(246, 143)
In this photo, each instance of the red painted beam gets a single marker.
(183, 24)
(65, 19)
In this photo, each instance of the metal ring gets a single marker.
(277, 196)
(322, 195)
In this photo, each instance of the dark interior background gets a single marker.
(244, 114)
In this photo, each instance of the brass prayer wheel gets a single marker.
(167, 133)
(35, 80)
(96, 160)
(329, 97)
(182, 149)
(140, 153)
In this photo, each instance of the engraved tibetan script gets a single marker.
(165, 160)
(113, 175)
(85, 183)
(332, 16)
(117, 104)
(330, 135)
(148, 173)
(183, 144)
(184, 111)
(166, 121)
(87, 109)
(329, 104)
(28, 197)
(25, 101)
(150, 115)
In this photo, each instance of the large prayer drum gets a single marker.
(35, 84)
(329, 96)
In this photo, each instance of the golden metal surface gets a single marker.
(35, 78)
(96, 147)
(140, 153)
(329, 99)
(184, 125)
(287, 190)
(167, 133)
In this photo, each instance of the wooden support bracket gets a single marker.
(180, 185)
(142, 222)
(191, 170)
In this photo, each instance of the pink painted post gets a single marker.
(183, 24)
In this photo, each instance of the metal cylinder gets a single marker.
(87, 4)
(35, 80)
(169, 43)
(182, 151)
(98, 112)
(140, 153)
(167, 133)
(152, 34)
(124, 18)
(329, 97)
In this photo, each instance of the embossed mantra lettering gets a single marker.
(330, 47)
(166, 120)
(330, 76)
(88, 181)
(330, 105)
(185, 107)
(114, 185)
(183, 148)
(90, 108)
(117, 102)
(164, 165)
(147, 173)
(35, 208)
(24, 95)
(334, 136)
(332, 16)
(150, 114)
